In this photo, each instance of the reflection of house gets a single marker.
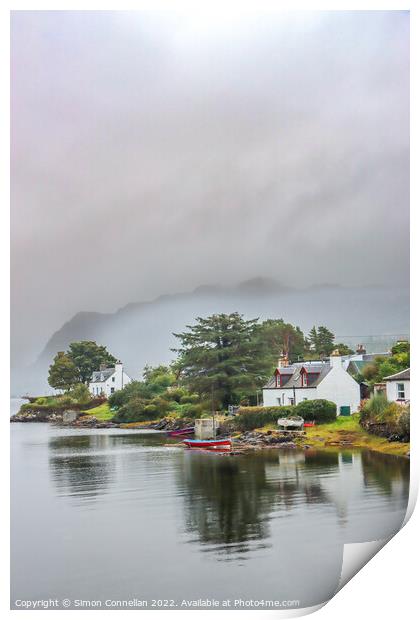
(294, 383)
(106, 381)
(398, 386)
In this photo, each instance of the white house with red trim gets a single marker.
(294, 383)
(106, 381)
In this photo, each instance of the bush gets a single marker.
(189, 398)
(320, 410)
(373, 408)
(386, 419)
(81, 394)
(133, 411)
(249, 418)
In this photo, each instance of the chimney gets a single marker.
(283, 360)
(102, 367)
(335, 359)
(119, 376)
(360, 349)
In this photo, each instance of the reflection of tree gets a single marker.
(386, 471)
(228, 499)
(77, 466)
(321, 459)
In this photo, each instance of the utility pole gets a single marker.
(212, 410)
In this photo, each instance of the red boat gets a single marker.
(212, 444)
(181, 432)
(306, 424)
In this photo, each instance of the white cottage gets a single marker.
(294, 383)
(398, 386)
(106, 381)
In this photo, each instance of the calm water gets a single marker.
(112, 514)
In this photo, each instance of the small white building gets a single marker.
(106, 381)
(292, 384)
(398, 386)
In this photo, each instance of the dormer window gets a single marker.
(278, 381)
(304, 377)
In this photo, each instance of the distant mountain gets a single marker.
(142, 333)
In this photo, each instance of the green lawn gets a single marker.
(103, 412)
(348, 429)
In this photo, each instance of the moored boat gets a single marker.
(181, 432)
(208, 443)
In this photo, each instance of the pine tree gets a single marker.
(313, 339)
(325, 344)
(219, 357)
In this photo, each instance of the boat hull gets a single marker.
(211, 444)
(181, 432)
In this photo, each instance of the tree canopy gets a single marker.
(77, 364)
(219, 356)
(381, 367)
(321, 341)
(63, 373)
(87, 356)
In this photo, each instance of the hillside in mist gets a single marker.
(142, 333)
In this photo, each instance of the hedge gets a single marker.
(248, 418)
(320, 410)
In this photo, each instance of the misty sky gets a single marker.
(152, 153)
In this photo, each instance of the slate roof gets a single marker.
(100, 376)
(404, 375)
(295, 380)
(357, 365)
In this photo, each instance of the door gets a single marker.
(345, 410)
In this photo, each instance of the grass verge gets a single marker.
(346, 432)
(102, 412)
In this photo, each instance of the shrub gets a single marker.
(380, 417)
(373, 408)
(135, 389)
(249, 418)
(189, 398)
(80, 393)
(320, 410)
(133, 411)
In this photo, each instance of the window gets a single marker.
(400, 391)
(113, 379)
(304, 379)
(112, 390)
(278, 381)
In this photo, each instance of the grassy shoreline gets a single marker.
(346, 432)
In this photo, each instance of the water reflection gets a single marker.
(107, 503)
(228, 500)
(391, 474)
(80, 466)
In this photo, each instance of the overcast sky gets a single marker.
(152, 153)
